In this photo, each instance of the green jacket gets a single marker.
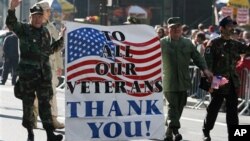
(222, 56)
(35, 48)
(176, 57)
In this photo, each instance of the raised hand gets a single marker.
(14, 4)
(63, 30)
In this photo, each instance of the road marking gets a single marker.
(198, 120)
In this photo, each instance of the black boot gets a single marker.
(169, 134)
(177, 135)
(52, 137)
(206, 134)
(30, 135)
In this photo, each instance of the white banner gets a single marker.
(114, 83)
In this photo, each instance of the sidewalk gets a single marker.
(11, 117)
(197, 103)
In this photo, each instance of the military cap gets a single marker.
(227, 21)
(174, 21)
(36, 9)
(44, 4)
(132, 20)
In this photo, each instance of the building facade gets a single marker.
(192, 12)
(22, 12)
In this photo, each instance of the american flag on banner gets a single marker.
(85, 51)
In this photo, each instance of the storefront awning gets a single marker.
(67, 7)
(239, 3)
(137, 12)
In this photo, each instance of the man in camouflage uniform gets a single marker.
(222, 54)
(34, 68)
(56, 66)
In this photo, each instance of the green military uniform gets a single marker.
(176, 56)
(34, 69)
(222, 56)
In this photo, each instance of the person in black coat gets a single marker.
(11, 56)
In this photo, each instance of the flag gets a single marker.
(86, 50)
(218, 81)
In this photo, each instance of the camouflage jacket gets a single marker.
(35, 48)
(222, 56)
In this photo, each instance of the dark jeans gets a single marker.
(10, 64)
(214, 107)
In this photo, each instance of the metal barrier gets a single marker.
(202, 95)
(60, 87)
(243, 93)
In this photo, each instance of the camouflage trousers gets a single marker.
(43, 90)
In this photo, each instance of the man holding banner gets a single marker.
(56, 63)
(177, 51)
(114, 83)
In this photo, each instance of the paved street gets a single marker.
(12, 130)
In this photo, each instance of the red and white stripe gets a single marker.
(146, 57)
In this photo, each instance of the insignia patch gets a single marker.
(207, 51)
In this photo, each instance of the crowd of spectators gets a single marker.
(202, 34)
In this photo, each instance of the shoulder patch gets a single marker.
(208, 51)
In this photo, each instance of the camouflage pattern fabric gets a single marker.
(34, 69)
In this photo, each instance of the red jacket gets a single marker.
(244, 63)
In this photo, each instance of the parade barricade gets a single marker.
(203, 96)
(244, 92)
(200, 94)
(60, 87)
